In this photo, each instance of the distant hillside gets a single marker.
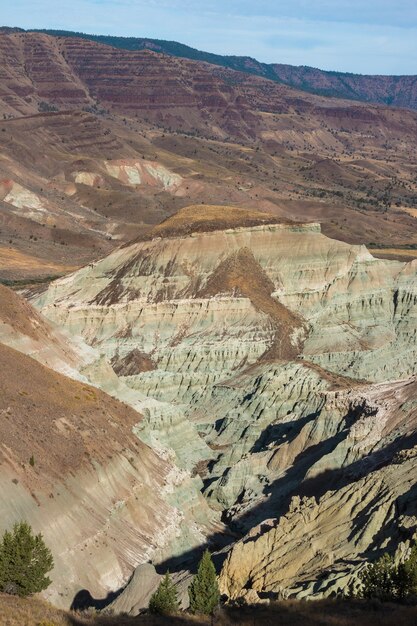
(398, 91)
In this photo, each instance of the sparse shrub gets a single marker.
(387, 581)
(204, 590)
(25, 561)
(165, 600)
(45, 107)
(378, 579)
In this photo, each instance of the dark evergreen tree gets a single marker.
(204, 589)
(25, 561)
(165, 600)
(405, 578)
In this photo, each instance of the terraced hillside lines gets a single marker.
(393, 90)
(100, 144)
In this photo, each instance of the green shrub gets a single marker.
(164, 601)
(390, 582)
(406, 576)
(378, 579)
(204, 589)
(24, 562)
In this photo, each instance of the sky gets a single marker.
(361, 36)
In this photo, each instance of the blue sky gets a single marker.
(365, 36)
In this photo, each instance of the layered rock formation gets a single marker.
(73, 465)
(268, 356)
(356, 499)
(392, 90)
(99, 144)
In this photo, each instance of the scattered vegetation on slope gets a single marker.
(203, 218)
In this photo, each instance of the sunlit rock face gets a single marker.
(266, 357)
(356, 501)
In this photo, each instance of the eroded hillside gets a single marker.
(278, 365)
(72, 463)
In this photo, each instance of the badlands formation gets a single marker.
(238, 373)
(71, 463)
(274, 372)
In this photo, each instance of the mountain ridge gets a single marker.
(130, 137)
(392, 90)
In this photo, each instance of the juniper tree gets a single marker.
(204, 590)
(25, 561)
(165, 600)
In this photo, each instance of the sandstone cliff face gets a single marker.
(266, 356)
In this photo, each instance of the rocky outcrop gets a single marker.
(318, 547)
(274, 351)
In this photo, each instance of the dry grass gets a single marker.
(400, 254)
(206, 218)
(412, 212)
(34, 612)
(63, 428)
(15, 260)
(21, 316)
